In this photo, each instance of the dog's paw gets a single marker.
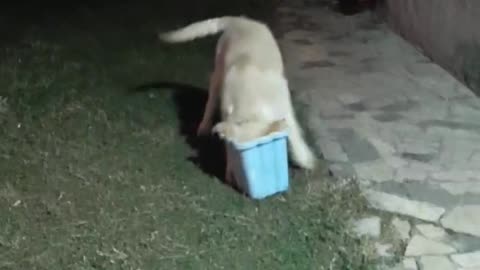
(221, 129)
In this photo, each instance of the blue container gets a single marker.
(261, 166)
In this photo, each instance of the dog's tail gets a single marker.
(197, 30)
(301, 153)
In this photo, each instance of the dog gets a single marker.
(249, 80)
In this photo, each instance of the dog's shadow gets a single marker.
(190, 103)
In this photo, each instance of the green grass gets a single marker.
(95, 176)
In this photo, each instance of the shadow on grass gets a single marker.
(209, 150)
(190, 102)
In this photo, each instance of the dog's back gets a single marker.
(252, 41)
(252, 94)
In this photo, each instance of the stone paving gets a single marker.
(384, 114)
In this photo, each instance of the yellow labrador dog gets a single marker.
(249, 80)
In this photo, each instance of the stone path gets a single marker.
(383, 113)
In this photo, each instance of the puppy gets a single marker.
(249, 79)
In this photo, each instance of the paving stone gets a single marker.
(475, 158)
(409, 264)
(342, 170)
(432, 77)
(387, 103)
(286, 10)
(461, 188)
(465, 111)
(419, 144)
(387, 117)
(310, 53)
(410, 173)
(451, 128)
(398, 266)
(463, 219)
(318, 126)
(425, 158)
(318, 64)
(358, 149)
(297, 33)
(349, 98)
(341, 121)
(456, 153)
(400, 105)
(432, 232)
(420, 245)
(415, 170)
(428, 167)
(402, 227)
(436, 263)
(370, 226)
(396, 204)
(456, 175)
(390, 135)
(464, 243)
(338, 53)
(331, 150)
(465, 92)
(383, 250)
(426, 70)
(385, 149)
(395, 133)
(431, 108)
(467, 260)
(396, 162)
(424, 191)
(377, 171)
(365, 125)
(329, 108)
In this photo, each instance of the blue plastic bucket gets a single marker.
(260, 166)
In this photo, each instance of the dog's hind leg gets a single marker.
(301, 153)
(214, 88)
(213, 93)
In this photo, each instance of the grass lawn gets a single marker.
(95, 176)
